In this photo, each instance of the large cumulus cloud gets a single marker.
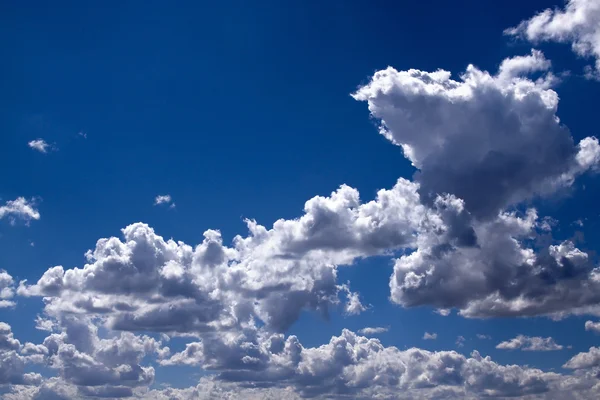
(491, 140)
(143, 282)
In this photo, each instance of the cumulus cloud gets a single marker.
(584, 360)
(7, 290)
(577, 24)
(20, 208)
(39, 145)
(355, 366)
(429, 336)
(144, 282)
(528, 343)
(12, 362)
(164, 199)
(483, 337)
(370, 331)
(475, 137)
(592, 326)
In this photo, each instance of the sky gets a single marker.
(304, 199)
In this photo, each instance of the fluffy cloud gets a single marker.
(528, 343)
(475, 138)
(94, 366)
(12, 362)
(494, 271)
(578, 24)
(164, 199)
(429, 336)
(20, 208)
(585, 360)
(144, 282)
(355, 366)
(39, 145)
(368, 331)
(592, 326)
(7, 290)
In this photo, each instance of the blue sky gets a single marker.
(245, 111)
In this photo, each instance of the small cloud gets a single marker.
(528, 343)
(40, 145)
(592, 326)
(82, 134)
(460, 341)
(578, 223)
(373, 331)
(547, 223)
(20, 208)
(32, 244)
(444, 312)
(429, 336)
(483, 337)
(164, 199)
(353, 306)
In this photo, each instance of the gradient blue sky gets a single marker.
(243, 110)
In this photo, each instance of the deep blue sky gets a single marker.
(240, 109)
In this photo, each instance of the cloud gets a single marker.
(355, 366)
(12, 362)
(528, 343)
(146, 283)
(20, 208)
(577, 24)
(368, 331)
(460, 341)
(429, 336)
(39, 145)
(592, 326)
(584, 360)
(164, 199)
(474, 137)
(7, 289)
(483, 337)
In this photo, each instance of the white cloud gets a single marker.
(584, 360)
(475, 137)
(12, 363)
(592, 326)
(359, 367)
(370, 331)
(429, 336)
(460, 341)
(483, 337)
(164, 199)
(39, 145)
(7, 289)
(20, 208)
(146, 283)
(577, 24)
(528, 343)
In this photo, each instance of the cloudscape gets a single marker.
(303, 200)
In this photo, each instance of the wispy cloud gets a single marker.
(429, 336)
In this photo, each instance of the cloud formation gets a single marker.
(39, 145)
(578, 24)
(528, 343)
(429, 336)
(474, 137)
(164, 199)
(20, 208)
(368, 331)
